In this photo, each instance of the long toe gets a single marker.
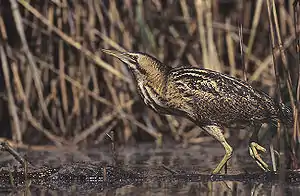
(253, 151)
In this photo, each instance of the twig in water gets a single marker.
(11, 179)
(169, 169)
(113, 147)
(4, 146)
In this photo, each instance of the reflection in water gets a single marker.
(208, 188)
(141, 172)
(169, 188)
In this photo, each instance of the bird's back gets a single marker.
(209, 97)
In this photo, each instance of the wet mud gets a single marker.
(142, 170)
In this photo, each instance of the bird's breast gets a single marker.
(151, 97)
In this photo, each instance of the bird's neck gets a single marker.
(153, 77)
(157, 80)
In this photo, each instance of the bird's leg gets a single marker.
(254, 147)
(216, 132)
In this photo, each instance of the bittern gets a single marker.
(210, 99)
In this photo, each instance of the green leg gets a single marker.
(216, 132)
(254, 147)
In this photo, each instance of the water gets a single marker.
(142, 170)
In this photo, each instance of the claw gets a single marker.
(253, 148)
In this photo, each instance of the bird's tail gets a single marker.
(286, 115)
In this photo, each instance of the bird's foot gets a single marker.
(253, 150)
(227, 156)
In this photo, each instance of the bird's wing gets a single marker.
(213, 82)
(223, 91)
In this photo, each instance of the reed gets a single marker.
(58, 87)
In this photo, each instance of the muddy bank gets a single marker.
(92, 178)
(139, 170)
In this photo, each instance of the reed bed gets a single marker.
(57, 87)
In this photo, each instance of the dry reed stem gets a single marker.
(143, 127)
(241, 43)
(33, 67)
(61, 63)
(106, 131)
(287, 74)
(273, 45)
(110, 43)
(92, 94)
(2, 29)
(17, 135)
(29, 117)
(115, 97)
(94, 127)
(20, 92)
(278, 82)
(212, 51)
(76, 93)
(199, 140)
(185, 13)
(296, 6)
(255, 21)
(199, 4)
(73, 43)
(13, 144)
(230, 49)
(268, 60)
(75, 83)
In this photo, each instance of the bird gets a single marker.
(210, 99)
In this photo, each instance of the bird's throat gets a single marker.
(157, 81)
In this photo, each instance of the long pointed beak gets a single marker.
(123, 56)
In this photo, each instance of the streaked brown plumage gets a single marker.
(210, 99)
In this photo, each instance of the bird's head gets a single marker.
(138, 62)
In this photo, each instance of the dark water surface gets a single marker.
(141, 170)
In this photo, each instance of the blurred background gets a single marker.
(58, 88)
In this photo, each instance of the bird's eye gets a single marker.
(133, 59)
